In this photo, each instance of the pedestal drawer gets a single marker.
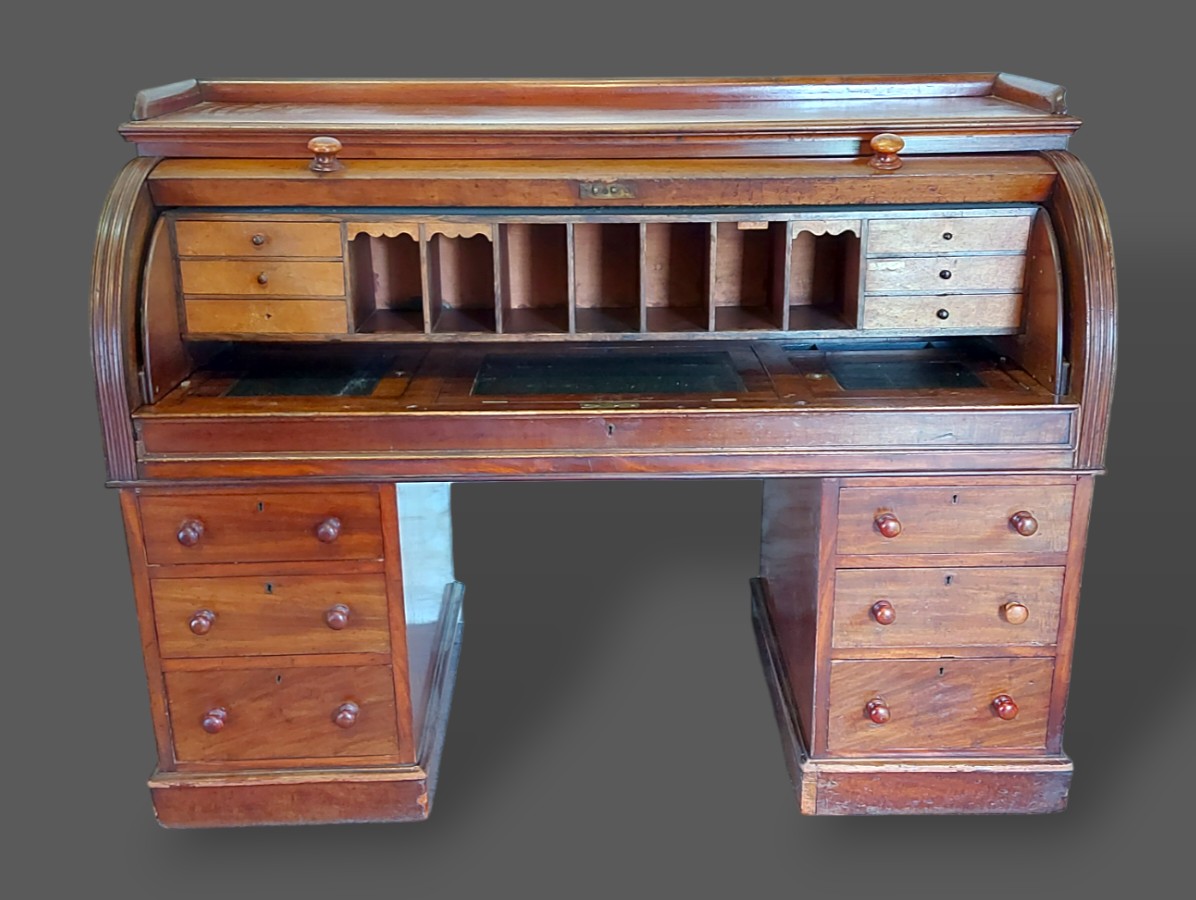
(938, 706)
(282, 713)
(271, 615)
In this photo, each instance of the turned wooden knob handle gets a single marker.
(1023, 523)
(258, 239)
(885, 148)
(888, 525)
(337, 616)
(877, 710)
(190, 532)
(346, 715)
(263, 277)
(329, 530)
(883, 612)
(1015, 613)
(1004, 707)
(201, 622)
(325, 150)
(214, 720)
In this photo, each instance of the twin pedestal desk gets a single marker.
(317, 304)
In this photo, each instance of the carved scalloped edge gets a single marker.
(123, 233)
(1086, 244)
(382, 229)
(453, 230)
(817, 227)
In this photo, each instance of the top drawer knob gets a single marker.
(1004, 707)
(883, 612)
(190, 532)
(888, 525)
(325, 150)
(345, 715)
(214, 720)
(885, 148)
(1015, 613)
(877, 711)
(329, 530)
(1023, 523)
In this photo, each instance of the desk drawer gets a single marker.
(971, 519)
(267, 615)
(262, 278)
(261, 527)
(268, 316)
(961, 607)
(967, 234)
(282, 713)
(945, 275)
(938, 705)
(1001, 312)
(200, 237)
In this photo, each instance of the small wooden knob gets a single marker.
(888, 525)
(346, 715)
(263, 278)
(325, 149)
(878, 711)
(214, 720)
(883, 612)
(190, 532)
(329, 530)
(1015, 613)
(885, 148)
(1004, 707)
(201, 622)
(944, 314)
(945, 274)
(337, 616)
(1023, 523)
(258, 239)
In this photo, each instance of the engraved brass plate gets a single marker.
(606, 190)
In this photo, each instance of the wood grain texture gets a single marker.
(249, 237)
(923, 275)
(166, 357)
(262, 278)
(395, 600)
(262, 317)
(948, 235)
(967, 313)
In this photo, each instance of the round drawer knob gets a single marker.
(324, 150)
(337, 617)
(258, 239)
(1004, 707)
(190, 532)
(883, 612)
(885, 148)
(888, 525)
(346, 715)
(214, 720)
(1015, 613)
(263, 278)
(947, 236)
(1023, 523)
(878, 711)
(329, 530)
(943, 314)
(201, 622)
(945, 274)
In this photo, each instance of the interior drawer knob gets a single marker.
(329, 530)
(883, 612)
(346, 715)
(885, 148)
(878, 711)
(1023, 523)
(337, 617)
(324, 150)
(214, 720)
(888, 525)
(1015, 613)
(258, 239)
(190, 532)
(1004, 707)
(263, 277)
(201, 622)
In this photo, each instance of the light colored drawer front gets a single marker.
(267, 278)
(972, 519)
(996, 312)
(261, 527)
(938, 705)
(196, 237)
(945, 274)
(980, 234)
(282, 713)
(271, 615)
(961, 607)
(267, 316)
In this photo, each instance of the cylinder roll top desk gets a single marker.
(317, 304)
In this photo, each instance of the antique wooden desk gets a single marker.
(318, 304)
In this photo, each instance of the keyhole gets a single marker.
(947, 580)
(610, 429)
(278, 678)
(955, 498)
(269, 588)
(942, 671)
(261, 507)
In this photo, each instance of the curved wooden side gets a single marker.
(121, 243)
(1090, 283)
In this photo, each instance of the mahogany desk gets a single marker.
(318, 304)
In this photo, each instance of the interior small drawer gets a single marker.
(207, 237)
(260, 527)
(971, 519)
(268, 316)
(963, 234)
(914, 609)
(925, 706)
(986, 312)
(265, 277)
(945, 274)
(282, 713)
(271, 615)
